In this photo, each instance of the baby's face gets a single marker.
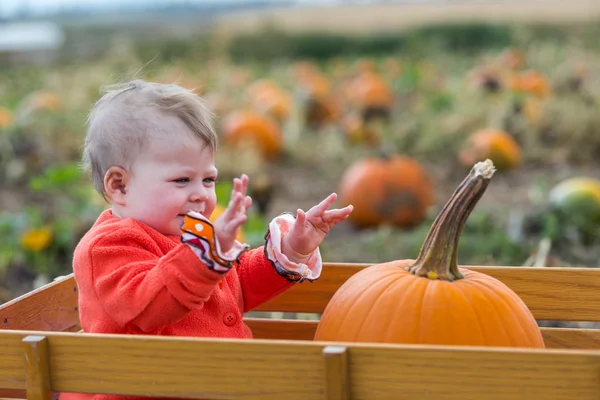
(167, 180)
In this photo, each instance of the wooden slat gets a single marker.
(52, 307)
(193, 368)
(261, 369)
(455, 373)
(12, 364)
(567, 294)
(337, 381)
(37, 368)
(13, 394)
(569, 338)
(282, 329)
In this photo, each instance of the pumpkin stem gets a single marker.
(438, 258)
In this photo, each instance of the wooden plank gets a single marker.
(569, 338)
(37, 368)
(457, 373)
(261, 369)
(567, 294)
(193, 368)
(52, 307)
(12, 394)
(282, 329)
(12, 363)
(337, 382)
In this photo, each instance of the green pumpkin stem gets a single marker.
(438, 258)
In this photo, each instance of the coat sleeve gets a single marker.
(142, 291)
(266, 272)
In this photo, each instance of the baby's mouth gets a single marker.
(184, 214)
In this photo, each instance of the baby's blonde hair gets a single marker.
(128, 116)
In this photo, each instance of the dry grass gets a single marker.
(393, 17)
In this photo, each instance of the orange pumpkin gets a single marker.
(430, 300)
(250, 128)
(370, 90)
(494, 144)
(6, 117)
(390, 189)
(319, 105)
(531, 82)
(42, 100)
(269, 98)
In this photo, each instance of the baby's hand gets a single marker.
(310, 229)
(228, 224)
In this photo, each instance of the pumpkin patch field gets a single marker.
(392, 131)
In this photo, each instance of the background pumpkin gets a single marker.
(432, 300)
(387, 189)
(268, 97)
(577, 197)
(250, 128)
(497, 145)
(6, 117)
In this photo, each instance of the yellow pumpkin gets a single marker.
(577, 197)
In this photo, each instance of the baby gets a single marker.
(153, 263)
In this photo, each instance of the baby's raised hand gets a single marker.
(310, 228)
(228, 224)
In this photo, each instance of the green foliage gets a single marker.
(435, 111)
(459, 38)
(484, 241)
(272, 42)
(65, 208)
(173, 49)
(255, 227)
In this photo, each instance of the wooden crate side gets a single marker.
(565, 294)
(428, 372)
(12, 363)
(192, 368)
(261, 369)
(286, 329)
(52, 307)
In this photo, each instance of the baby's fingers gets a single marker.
(337, 215)
(240, 185)
(238, 220)
(320, 208)
(247, 202)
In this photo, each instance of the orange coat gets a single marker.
(133, 280)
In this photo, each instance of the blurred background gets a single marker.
(402, 96)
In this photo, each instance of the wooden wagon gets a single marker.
(42, 353)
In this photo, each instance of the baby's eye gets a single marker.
(210, 180)
(181, 180)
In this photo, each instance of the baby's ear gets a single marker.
(115, 184)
